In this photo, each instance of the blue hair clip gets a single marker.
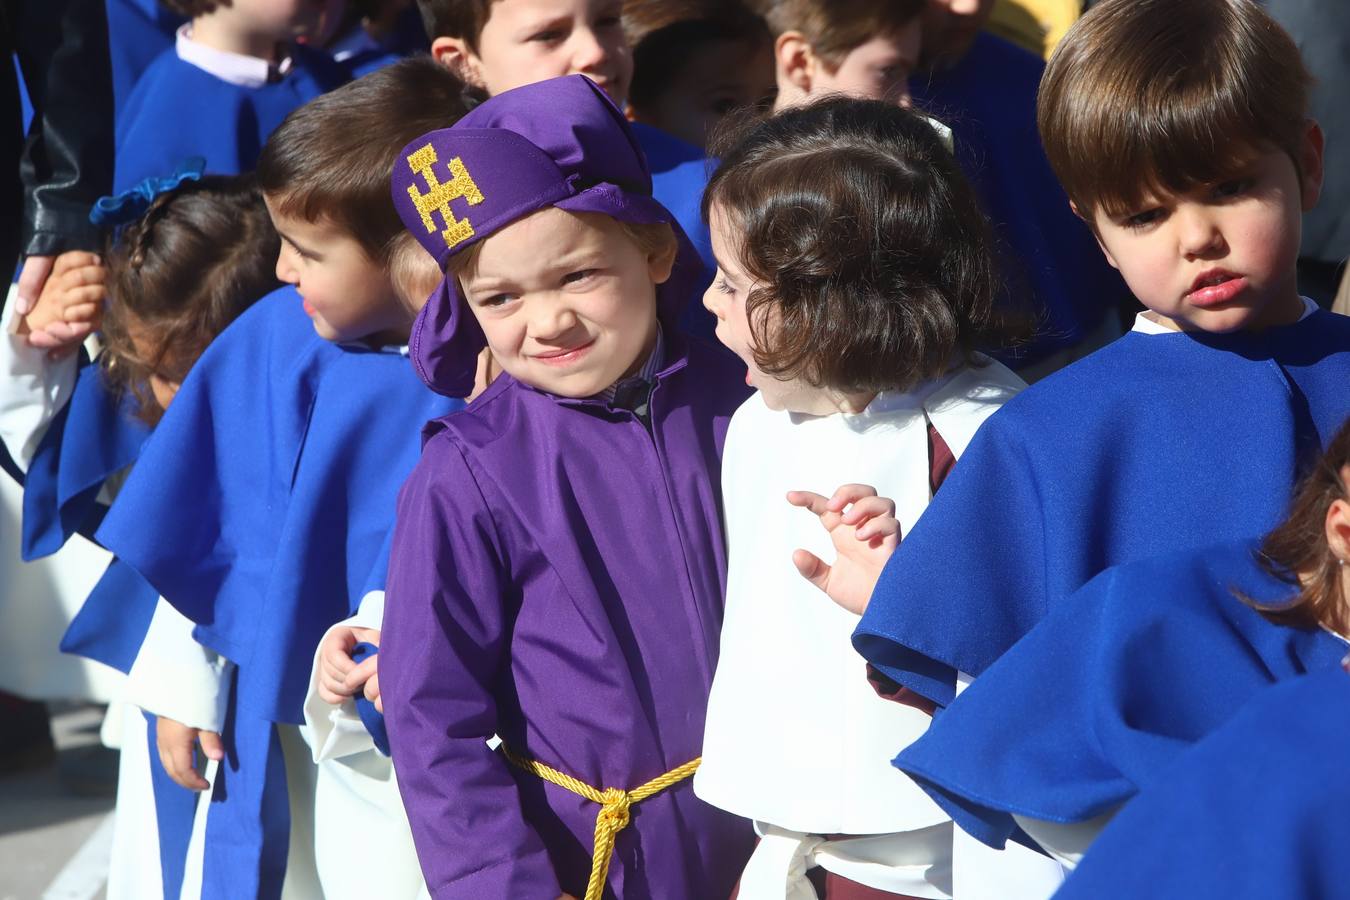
(131, 204)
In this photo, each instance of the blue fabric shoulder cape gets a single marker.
(1154, 444)
(178, 110)
(1101, 696)
(989, 100)
(138, 31)
(1256, 810)
(259, 508)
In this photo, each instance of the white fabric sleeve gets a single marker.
(1065, 842)
(176, 677)
(337, 731)
(33, 389)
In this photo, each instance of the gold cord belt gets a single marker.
(614, 806)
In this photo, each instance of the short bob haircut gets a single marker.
(873, 262)
(836, 27)
(1152, 98)
(463, 19)
(1298, 547)
(200, 256)
(331, 159)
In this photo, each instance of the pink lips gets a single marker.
(1215, 288)
(564, 357)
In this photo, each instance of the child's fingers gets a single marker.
(176, 755)
(362, 673)
(66, 332)
(211, 745)
(81, 312)
(44, 341)
(372, 691)
(808, 500)
(850, 493)
(811, 567)
(83, 276)
(878, 529)
(868, 508)
(76, 259)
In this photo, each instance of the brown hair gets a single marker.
(834, 27)
(1296, 552)
(331, 158)
(867, 243)
(663, 32)
(412, 271)
(199, 257)
(463, 19)
(191, 9)
(1154, 97)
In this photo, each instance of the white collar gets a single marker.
(234, 68)
(1144, 323)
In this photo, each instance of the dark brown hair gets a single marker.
(662, 34)
(199, 257)
(1149, 98)
(834, 27)
(463, 19)
(867, 243)
(191, 9)
(331, 158)
(1296, 552)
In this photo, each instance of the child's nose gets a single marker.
(1199, 233)
(589, 51)
(287, 273)
(712, 302)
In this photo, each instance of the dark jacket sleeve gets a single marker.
(67, 162)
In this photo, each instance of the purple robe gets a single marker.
(557, 579)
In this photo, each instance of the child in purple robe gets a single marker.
(556, 577)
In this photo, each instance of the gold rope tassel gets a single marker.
(614, 805)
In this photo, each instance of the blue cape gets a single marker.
(178, 110)
(989, 100)
(259, 508)
(138, 31)
(1256, 810)
(1154, 444)
(1102, 695)
(680, 172)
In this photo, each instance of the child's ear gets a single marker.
(1338, 525)
(662, 262)
(455, 54)
(1310, 164)
(794, 60)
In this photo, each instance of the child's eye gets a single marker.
(608, 22)
(1232, 188)
(1143, 219)
(723, 287)
(578, 276)
(548, 36)
(495, 301)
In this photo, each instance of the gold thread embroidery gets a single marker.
(438, 198)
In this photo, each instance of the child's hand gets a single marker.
(339, 677)
(70, 305)
(175, 741)
(864, 536)
(367, 673)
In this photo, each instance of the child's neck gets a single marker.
(223, 30)
(821, 402)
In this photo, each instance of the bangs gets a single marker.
(1209, 85)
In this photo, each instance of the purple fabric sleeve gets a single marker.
(445, 641)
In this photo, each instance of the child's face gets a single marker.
(1221, 257)
(567, 302)
(717, 77)
(524, 41)
(950, 27)
(284, 20)
(876, 70)
(346, 294)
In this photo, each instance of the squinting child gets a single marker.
(856, 47)
(557, 568)
(1143, 662)
(184, 265)
(855, 281)
(694, 61)
(270, 485)
(233, 74)
(495, 45)
(1190, 429)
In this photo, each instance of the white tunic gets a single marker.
(796, 738)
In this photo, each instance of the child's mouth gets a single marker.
(564, 357)
(1216, 289)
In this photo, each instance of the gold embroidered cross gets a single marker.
(438, 198)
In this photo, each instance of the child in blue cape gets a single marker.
(268, 489)
(855, 280)
(1255, 810)
(1192, 428)
(1095, 704)
(189, 260)
(557, 569)
(233, 74)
